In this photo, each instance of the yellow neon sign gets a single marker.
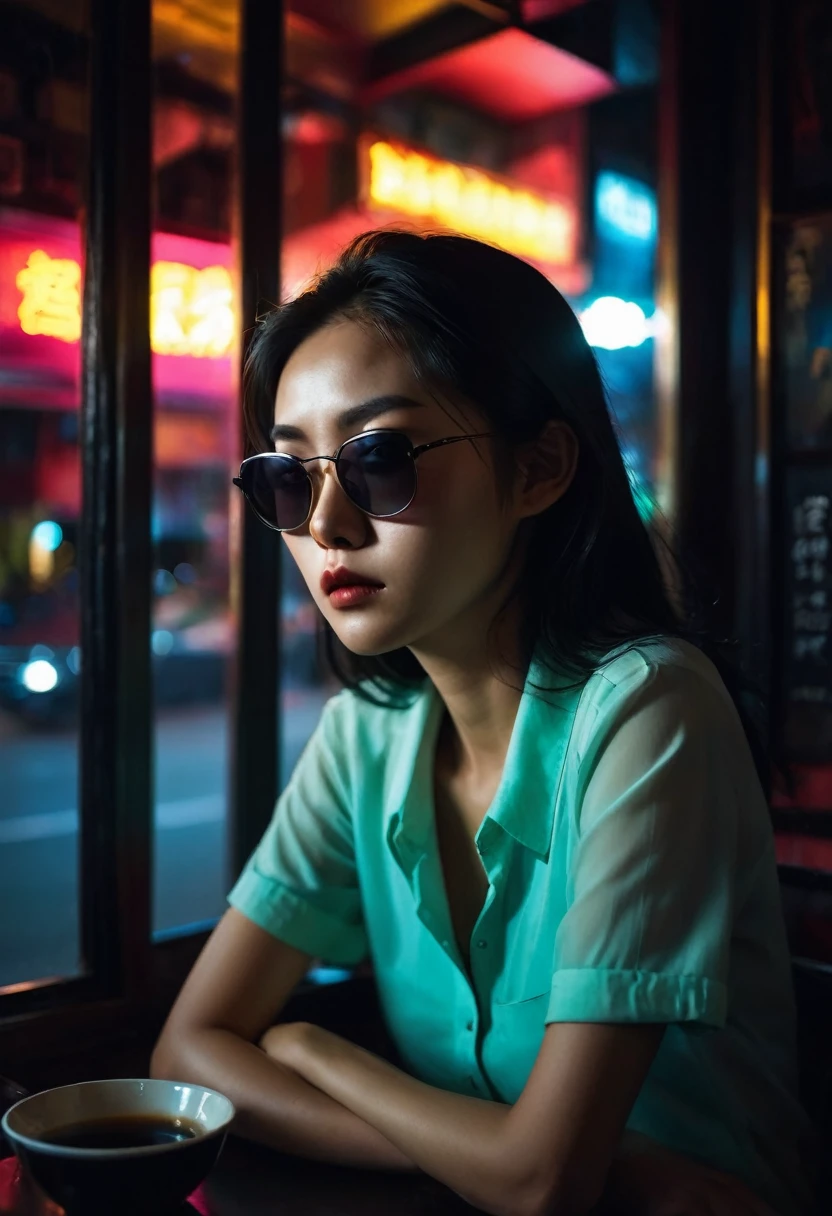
(471, 202)
(191, 311)
(51, 289)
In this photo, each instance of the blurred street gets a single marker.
(39, 830)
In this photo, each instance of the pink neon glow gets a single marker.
(41, 371)
(510, 75)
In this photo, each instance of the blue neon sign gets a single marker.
(625, 208)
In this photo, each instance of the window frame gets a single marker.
(129, 978)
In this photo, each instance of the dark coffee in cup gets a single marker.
(124, 1131)
(131, 1147)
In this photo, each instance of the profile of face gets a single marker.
(446, 561)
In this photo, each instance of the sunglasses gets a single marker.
(376, 470)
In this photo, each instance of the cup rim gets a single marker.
(33, 1144)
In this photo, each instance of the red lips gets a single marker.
(342, 577)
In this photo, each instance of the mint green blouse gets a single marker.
(631, 870)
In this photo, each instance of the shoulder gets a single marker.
(661, 665)
(668, 675)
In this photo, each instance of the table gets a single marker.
(252, 1181)
(249, 1181)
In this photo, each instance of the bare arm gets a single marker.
(548, 1153)
(552, 1152)
(236, 989)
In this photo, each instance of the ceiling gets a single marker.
(193, 24)
(369, 20)
(509, 75)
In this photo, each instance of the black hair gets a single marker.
(480, 324)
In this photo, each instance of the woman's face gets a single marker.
(443, 560)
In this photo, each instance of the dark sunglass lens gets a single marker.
(378, 472)
(279, 489)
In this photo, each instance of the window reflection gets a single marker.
(500, 138)
(196, 427)
(42, 171)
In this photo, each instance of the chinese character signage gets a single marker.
(808, 611)
(191, 315)
(406, 182)
(51, 296)
(191, 311)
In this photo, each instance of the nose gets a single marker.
(335, 522)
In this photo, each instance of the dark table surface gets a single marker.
(249, 1181)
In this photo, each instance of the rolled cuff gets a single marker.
(293, 919)
(587, 995)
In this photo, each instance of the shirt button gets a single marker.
(470, 1026)
(482, 943)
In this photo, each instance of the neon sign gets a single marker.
(472, 202)
(51, 289)
(191, 311)
(626, 208)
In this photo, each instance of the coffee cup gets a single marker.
(131, 1147)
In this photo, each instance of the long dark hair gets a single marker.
(481, 325)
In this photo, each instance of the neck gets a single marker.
(481, 685)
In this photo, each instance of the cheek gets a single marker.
(303, 559)
(463, 500)
(458, 537)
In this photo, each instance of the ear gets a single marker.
(546, 468)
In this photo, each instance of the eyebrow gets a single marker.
(355, 416)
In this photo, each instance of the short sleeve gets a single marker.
(301, 882)
(646, 934)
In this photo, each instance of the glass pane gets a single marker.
(618, 308)
(568, 185)
(193, 334)
(43, 149)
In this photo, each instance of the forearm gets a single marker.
(464, 1142)
(275, 1106)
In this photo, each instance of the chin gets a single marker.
(368, 649)
(368, 642)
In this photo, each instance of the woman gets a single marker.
(533, 806)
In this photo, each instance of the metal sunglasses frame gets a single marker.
(413, 454)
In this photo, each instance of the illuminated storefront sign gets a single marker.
(192, 317)
(191, 310)
(625, 208)
(51, 290)
(470, 201)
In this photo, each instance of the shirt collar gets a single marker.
(524, 805)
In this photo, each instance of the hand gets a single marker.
(653, 1181)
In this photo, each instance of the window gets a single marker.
(196, 441)
(119, 433)
(43, 87)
